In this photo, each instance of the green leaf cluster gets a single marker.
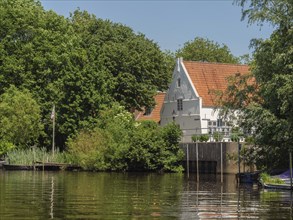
(120, 143)
(265, 100)
(218, 136)
(20, 119)
(266, 178)
(81, 64)
(200, 138)
(205, 50)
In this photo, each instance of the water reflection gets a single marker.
(83, 195)
(52, 199)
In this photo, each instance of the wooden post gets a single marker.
(239, 146)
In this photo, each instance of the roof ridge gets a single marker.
(204, 62)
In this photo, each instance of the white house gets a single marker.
(190, 100)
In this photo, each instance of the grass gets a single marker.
(266, 178)
(29, 156)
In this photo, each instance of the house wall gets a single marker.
(193, 118)
(188, 117)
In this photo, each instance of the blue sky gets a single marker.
(171, 23)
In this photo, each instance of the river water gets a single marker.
(87, 195)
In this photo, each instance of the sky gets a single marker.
(171, 23)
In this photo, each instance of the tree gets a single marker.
(268, 111)
(20, 118)
(81, 64)
(120, 143)
(134, 65)
(201, 49)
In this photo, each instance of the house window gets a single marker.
(148, 111)
(179, 105)
(212, 126)
(179, 82)
(219, 123)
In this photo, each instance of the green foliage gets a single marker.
(20, 118)
(172, 155)
(265, 100)
(5, 147)
(135, 67)
(218, 136)
(120, 143)
(201, 49)
(89, 148)
(236, 134)
(195, 138)
(204, 138)
(200, 138)
(81, 64)
(276, 12)
(31, 155)
(266, 178)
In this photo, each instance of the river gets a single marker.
(87, 195)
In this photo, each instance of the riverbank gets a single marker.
(43, 166)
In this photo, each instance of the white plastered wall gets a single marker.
(189, 118)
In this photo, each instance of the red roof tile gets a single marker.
(209, 77)
(155, 114)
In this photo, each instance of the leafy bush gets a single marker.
(20, 117)
(5, 146)
(195, 138)
(121, 143)
(89, 148)
(204, 138)
(200, 138)
(218, 136)
(266, 178)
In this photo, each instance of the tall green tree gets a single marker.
(268, 110)
(135, 66)
(20, 118)
(203, 49)
(81, 64)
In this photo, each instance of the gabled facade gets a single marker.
(191, 101)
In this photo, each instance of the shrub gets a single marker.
(89, 148)
(200, 138)
(5, 146)
(266, 178)
(218, 136)
(195, 138)
(204, 138)
(20, 117)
